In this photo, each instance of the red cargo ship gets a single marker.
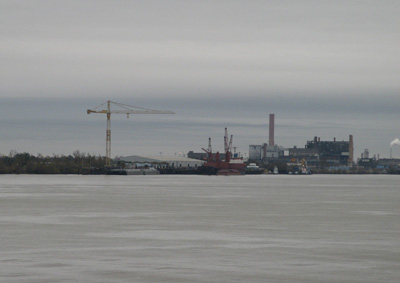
(228, 166)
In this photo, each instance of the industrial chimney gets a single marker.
(271, 129)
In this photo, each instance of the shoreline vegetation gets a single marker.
(84, 163)
(26, 163)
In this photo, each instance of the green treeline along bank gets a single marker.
(25, 163)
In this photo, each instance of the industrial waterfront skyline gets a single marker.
(325, 69)
(61, 127)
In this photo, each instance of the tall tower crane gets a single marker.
(126, 109)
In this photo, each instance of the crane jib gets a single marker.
(127, 110)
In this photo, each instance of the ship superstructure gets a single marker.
(227, 166)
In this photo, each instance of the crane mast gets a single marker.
(108, 135)
(126, 109)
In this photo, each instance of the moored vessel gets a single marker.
(227, 166)
(252, 169)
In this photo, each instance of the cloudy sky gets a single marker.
(325, 68)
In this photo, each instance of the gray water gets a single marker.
(332, 228)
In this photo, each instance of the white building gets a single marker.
(172, 161)
(255, 152)
(274, 152)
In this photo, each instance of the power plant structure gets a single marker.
(321, 156)
(333, 153)
(126, 109)
(267, 151)
(316, 153)
(351, 150)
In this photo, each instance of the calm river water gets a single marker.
(319, 228)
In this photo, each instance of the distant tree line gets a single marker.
(25, 163)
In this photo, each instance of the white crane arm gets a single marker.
(140, 112)
(130, 112)
(128, 109)
(96, 111)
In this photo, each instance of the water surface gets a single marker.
(320, 228)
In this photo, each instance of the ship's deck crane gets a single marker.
(209, 150)
(127, 109)
(227, 146)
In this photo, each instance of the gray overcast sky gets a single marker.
(325, 68)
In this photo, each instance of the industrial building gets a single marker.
(303, 153)
(376, 165)
(365, 162)
(273, 152)
(332, 153)
(310, 155)
(389, 164)
(316, 153)
(164, 161)
(203, 155)
(255, 152)
(324, 154)
(267, 152)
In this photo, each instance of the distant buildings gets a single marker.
(162, 161)
(377, 165)
(316, 153)
(255, 152)
(388, 164)
(273, 152)
(332, 153)
(202, 155)
(320, 155)
(269, 151)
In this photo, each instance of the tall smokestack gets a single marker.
(271, 129)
